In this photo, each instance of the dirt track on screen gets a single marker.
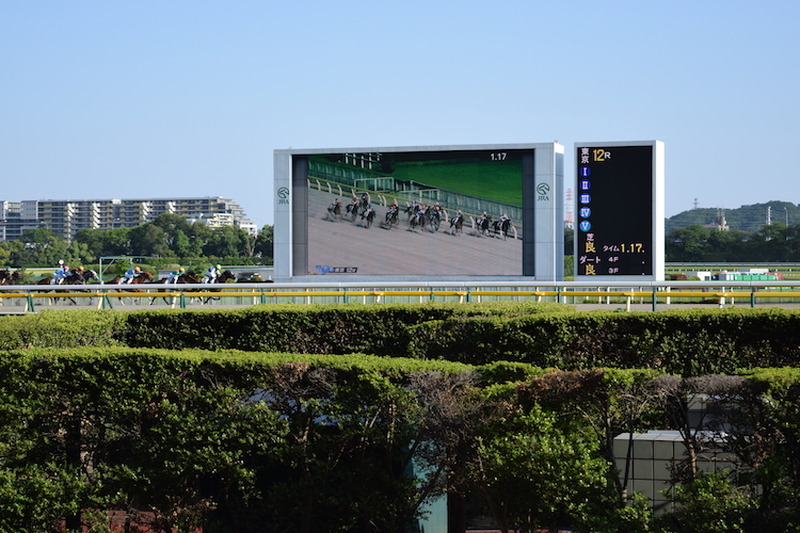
(401, 250)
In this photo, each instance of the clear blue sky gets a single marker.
(190, 98)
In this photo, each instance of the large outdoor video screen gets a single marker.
(432, 213)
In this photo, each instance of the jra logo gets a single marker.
(543, 189)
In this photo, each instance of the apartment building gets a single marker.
(66, 217)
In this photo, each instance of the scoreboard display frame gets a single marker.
(313, 245)
(619, 211)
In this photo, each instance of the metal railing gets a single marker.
(631, 296)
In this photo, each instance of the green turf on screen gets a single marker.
(484, 179)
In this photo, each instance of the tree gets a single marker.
(773, 242)
(227, 241)
(758, 425)
(792, 243)
(349, 430)
(41, 247)
(170, 223)
(453, 413)
(8, 249)
(166, 439)
(681, 398)
(79, 253)
(149, 240)
(173, 226)
(688, 244)
(116, 242)
(726, 246)
(264, 246)
(199, 235)
(569, 241)
(710, 504)
(94, 240)
(608, 402)
(537, 474)
(181, 244)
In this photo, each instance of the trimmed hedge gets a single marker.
(325, 329)
(346, 328)
(687, 342)
(62, 329)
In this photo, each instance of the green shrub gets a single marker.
(62, 329)
(687, 342)
(337, 329)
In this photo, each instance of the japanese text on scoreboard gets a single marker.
(615, 207)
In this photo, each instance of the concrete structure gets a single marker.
(650, 458)
(653, 456)
(15, 218)
(702, 275)
(66, 217)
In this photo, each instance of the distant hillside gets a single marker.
(749, 218)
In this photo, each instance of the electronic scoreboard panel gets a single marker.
(619, 227)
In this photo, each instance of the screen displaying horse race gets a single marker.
(438, 213)
(421, 213)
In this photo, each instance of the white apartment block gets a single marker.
(66, 217)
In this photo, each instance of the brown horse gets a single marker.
(143, 277)
(189, 278)
(457, 224)
(225, 277)
(10, 277)
(80, 277)
(75, 277)
(182, 280)
(335, 211)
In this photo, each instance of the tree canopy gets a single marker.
(774, 242)
(169, 237)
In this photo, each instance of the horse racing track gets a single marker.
(400, 249)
